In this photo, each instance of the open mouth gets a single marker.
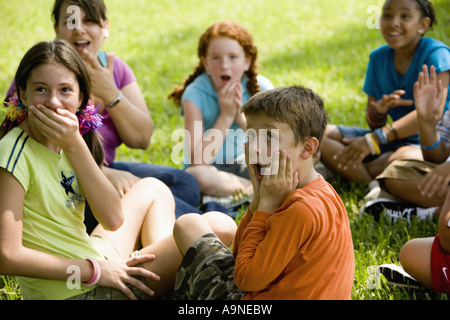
(225, 78)
(81, 45)
(260, 171)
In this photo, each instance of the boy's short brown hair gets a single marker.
(301, 108)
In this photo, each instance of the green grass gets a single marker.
(321, 44)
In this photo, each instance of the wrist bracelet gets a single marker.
(115, 101)
(95, 275)
(434, 146)
(379, 116)
(374, 148)
(394, 131)
(375, 119)
(381, 135)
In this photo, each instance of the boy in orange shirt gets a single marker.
(294, 241)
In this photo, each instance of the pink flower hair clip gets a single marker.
(89, 119)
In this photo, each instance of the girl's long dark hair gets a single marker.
(58, 51)
(94, 9)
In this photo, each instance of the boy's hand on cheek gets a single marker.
(255, 183)
(279, 180)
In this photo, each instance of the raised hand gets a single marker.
(428, 94)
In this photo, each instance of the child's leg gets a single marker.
(331, 146)
(188, 228)
(149, 216)
(408, 190)
(407, 152)
(217, 183)
(415, 258)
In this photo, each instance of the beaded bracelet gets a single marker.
(376, 119)
(394, 131)
(434, 146)
(381, 135)
(374, 148)
(95, 275)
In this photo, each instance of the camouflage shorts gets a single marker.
(207, 272)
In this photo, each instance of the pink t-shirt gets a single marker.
(123, 75)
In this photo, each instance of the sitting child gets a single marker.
(420, 186)
(294, 241)
(425, 261)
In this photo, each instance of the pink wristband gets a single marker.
(95, 275)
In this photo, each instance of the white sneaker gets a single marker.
(396, 276)
(396, 209)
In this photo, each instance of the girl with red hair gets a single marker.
(210, 100)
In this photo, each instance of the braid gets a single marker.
(225, 29)
(252, 84)
(178, 91)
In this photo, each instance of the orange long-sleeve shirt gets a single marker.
(302, 251)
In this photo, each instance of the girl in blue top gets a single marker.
(211, 99)
(360, 154)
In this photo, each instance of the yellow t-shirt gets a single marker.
(53, 210)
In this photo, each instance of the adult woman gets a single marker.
(115, 90)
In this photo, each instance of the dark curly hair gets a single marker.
(427, 9)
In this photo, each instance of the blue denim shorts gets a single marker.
(354, 132)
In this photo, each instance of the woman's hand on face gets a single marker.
(102, 79)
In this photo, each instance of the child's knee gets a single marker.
(185, 222)
(188, 228)
(223, 226)
(332, 131)
(405, 254)
(415, 252)
(155, 187)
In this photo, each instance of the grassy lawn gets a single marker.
(321, 44)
